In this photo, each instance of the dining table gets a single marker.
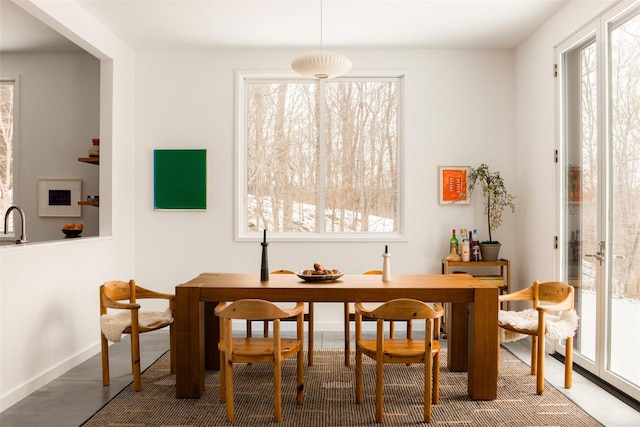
(472, 318)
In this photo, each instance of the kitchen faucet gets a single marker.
(23, 236)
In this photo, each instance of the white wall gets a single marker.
(49, 291)
(58, 116)
(459, 110)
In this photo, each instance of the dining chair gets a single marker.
(308, 317)
(539, 322)
(350, 316)
(400, 350)
(259, 350)
(131, 320)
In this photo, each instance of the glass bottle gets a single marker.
(466, 246)
(453, 243)
(475, 246)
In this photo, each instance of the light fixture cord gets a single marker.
(321, 25)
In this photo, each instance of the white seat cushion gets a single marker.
(112, 325)
(558, 326)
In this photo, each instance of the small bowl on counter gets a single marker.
(72, 230)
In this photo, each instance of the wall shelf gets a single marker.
(92, 160)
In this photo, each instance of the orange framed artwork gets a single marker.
(453, 185)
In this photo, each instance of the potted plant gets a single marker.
(496, 199)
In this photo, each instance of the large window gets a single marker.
(7, 91)
(319, 158)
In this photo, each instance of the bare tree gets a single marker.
(6, 146)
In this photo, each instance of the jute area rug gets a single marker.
(330, 401)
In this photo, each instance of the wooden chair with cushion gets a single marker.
(131, 320)
(259, 350)
(539, 322)
(308, 317)
(400, 350)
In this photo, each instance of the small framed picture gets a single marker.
(453, 185)
(59, 197)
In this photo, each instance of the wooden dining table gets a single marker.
(472, 343)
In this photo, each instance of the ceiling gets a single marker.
(184, 24)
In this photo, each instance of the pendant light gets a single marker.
(321, 64)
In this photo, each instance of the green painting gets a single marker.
(180, 179)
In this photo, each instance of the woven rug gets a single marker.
(329, 398)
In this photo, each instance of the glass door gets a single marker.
(600, 79)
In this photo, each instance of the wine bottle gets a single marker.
(453, 243)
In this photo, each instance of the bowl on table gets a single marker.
(319, 277)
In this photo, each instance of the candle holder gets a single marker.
(386, 265)
(264, 266)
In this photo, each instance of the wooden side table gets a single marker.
(503, 281)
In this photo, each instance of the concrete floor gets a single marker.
(75, 396)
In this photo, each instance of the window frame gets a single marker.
(240, 181)
(14, 79)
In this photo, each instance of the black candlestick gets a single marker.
(264, 267)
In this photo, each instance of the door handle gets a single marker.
(598, 255)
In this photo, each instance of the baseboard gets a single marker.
(17, 394)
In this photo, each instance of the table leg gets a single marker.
(211, 336)
(483, 344)
(457, 336)
(189, 331)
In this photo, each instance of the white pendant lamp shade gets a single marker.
(321, 64)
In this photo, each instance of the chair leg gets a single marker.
(277, 390)
(534, 355)
(223, 378)
(347, 335)
(228, 385)
(300, 379)
(436, 378)
(540, 373)
(311, 332)
(135, 362)
(379, 369)
(358, 376)
(300, 360)
(105, 359)
(277, 370)
(428, 384)
(379, 388)
(358, 361)
(249, 329)
(135, 351)
(568, 363)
